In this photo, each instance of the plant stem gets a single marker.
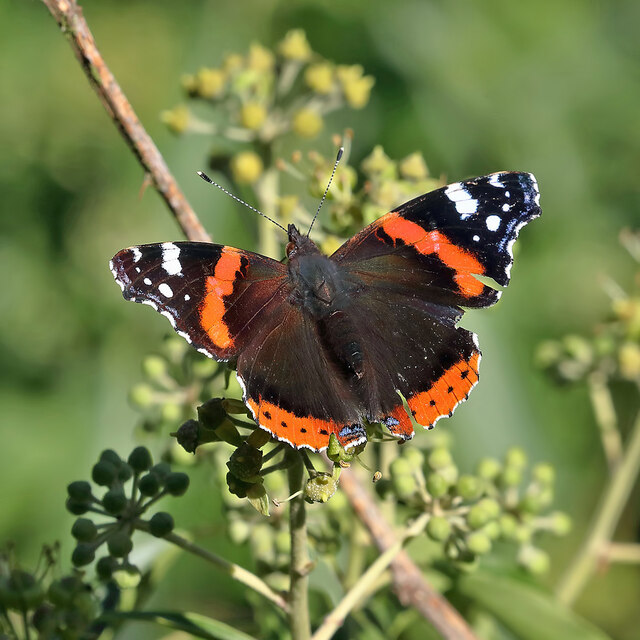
(605, 415)
(604, 521)
(628, 552)
(299, 622)
(362, 587)
(235, 571)
(267, 194)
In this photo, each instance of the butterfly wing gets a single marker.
(418, 265)
(213, 295)
(232, 304)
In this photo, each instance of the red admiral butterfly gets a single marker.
(323, 343)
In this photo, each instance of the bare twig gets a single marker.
(68, 15)
(408, 582)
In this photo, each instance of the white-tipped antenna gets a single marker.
(206, 178)
(333, 173)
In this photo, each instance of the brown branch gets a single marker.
(408, 582)
(68, 15)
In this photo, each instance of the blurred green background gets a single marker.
(545, 87)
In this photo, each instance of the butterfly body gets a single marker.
(324, 344)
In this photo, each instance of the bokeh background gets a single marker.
(545, 87)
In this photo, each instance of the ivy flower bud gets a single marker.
(488, 468)
(210, 83)
(516, 457)
(154, 367)
(320, 77)
(307, 123)
(560, 523)
(468, 487)
(629, 360)
(176, 119)
(544, 474)
(260, 58)
(413, 167)
(253, 115)
(245, 463)
(320, 488)
(357, 92)
(232, 62)
(246, 167)
(141, 396)
(439, 458)
(295, 46)
(534, 560)
(437, 485)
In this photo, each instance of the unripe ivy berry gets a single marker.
(83, 554)
(478, 543)
(177, 483)
(468, 487)
(171, 412)
(43, 619)
(77, 507)
(104, 473)
(124, 472)
(149, 484)
(84, 530)
(492, 530)
(106, 566)
(114, 501)
(140, 459)
(523, 533)
(438, 528)
(239, 531)
(161, 524)
(400, 467)
(111, 456)
(162, 470)
(440, 458)
(404, 486)
(62, 592)
(79, 490)
(449, 473)
(491, 506)
(437, 485)
(488, 468)
(119, 544)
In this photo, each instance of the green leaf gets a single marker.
(197, 625)
(527, 611)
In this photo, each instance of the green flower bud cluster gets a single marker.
(173, 380)
(60, 608)
(263, 95)
(613, 351)
(129, 488)
(470, 512)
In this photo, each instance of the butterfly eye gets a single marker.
(290, 248)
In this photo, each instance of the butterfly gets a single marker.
(325, 344)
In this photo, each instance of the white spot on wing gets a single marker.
(187, 296)
(476, 238)
(170, 259)
(466, 207)
(165, 290)
(147, 281)
(493, 222)
(506, 207)
(137, 254)
(494, 179)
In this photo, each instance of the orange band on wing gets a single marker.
(451, 388)
(284, 425)
(217, 286)
(461, 261)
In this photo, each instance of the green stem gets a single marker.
(235, 571)
(362, 587)
(299, 622)
(605, 415)
(604, 521)
(267, 194)
(628, 553)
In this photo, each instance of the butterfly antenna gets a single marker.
(333, 173)
(206, 178)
